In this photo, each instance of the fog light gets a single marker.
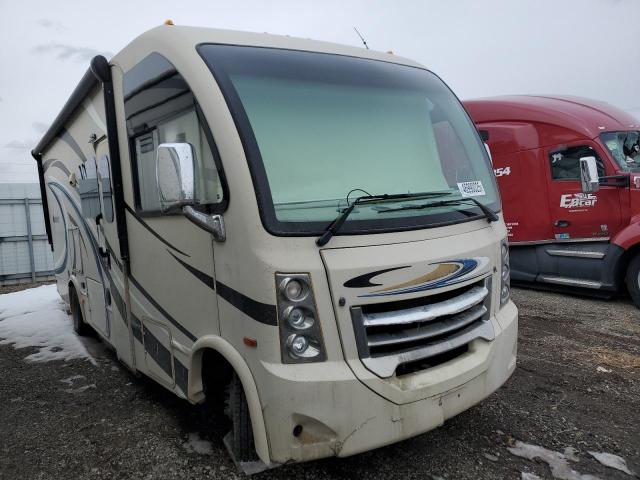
(504, 293)
(299, 346)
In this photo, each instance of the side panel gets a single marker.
(585, 265)
(172, 286)
(524, 195)
(73, 187)
(577, 215)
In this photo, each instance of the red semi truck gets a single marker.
(569, 174)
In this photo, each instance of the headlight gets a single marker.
(300, 334)
(505, 273)
(298, 318)
(292, 289)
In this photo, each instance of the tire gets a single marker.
(79, 326)
(633, 280)
(241, 441)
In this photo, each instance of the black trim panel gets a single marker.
(152, 231)
(150, 299)
(182, 375)
(260, 312)
(203, 277)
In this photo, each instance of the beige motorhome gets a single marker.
(310, 230)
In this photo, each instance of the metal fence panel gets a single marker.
(25, 254)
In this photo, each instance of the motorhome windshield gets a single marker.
(318, 126)
(625, 149)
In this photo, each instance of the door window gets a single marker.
(565, 163)
(105, 185)
(160, 108)
(88, 188)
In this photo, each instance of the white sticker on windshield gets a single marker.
(471, 189)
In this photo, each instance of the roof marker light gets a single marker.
(168, 22)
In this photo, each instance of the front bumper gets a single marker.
(340, 416)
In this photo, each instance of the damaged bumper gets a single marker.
(320, 410)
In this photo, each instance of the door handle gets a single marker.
(562, 223)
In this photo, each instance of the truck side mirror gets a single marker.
(589, 175)
(175, 175)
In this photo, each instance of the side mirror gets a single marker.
(589, 175)
(175, 175)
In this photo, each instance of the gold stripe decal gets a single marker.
(443, 270)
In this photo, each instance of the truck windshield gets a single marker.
(318, 126)
(624, 147)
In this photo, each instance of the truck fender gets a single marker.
(628, 236)
(236, 361)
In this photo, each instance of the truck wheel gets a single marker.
(633, 280)
(79, 326)
(241, 441)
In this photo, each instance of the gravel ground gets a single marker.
(126, 427)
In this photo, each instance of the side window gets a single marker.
(565, 164)
(88, 188)
(160, 108)
(105, 184)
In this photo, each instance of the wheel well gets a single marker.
(217, 373)
(624, 261)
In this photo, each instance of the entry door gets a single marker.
(577, 215)
(107, 237)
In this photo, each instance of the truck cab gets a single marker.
(278, 223)
(562, 235)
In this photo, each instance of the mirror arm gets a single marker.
(213, 224)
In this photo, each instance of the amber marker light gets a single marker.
(250, 342)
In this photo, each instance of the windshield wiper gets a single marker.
(334, 226)
(490, 214)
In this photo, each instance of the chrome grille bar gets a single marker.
(427, 313)
(430, 330)
(386, 365)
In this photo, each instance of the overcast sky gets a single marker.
(479, 47)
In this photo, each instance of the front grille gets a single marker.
(425, 331)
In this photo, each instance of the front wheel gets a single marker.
(633, 280)
(241, 440)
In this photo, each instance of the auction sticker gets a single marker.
(471, 189)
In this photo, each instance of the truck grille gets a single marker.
(420, 332)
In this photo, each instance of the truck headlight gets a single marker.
(505, 273)
(300, 333)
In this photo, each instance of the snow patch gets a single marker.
(197, 445)
(37, 317)
(612, 461)
(529, 476)
(557, 461)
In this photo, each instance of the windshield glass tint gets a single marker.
(325, 125)
(625, 149)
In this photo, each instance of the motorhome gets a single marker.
(568, 169)
(276, 222)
